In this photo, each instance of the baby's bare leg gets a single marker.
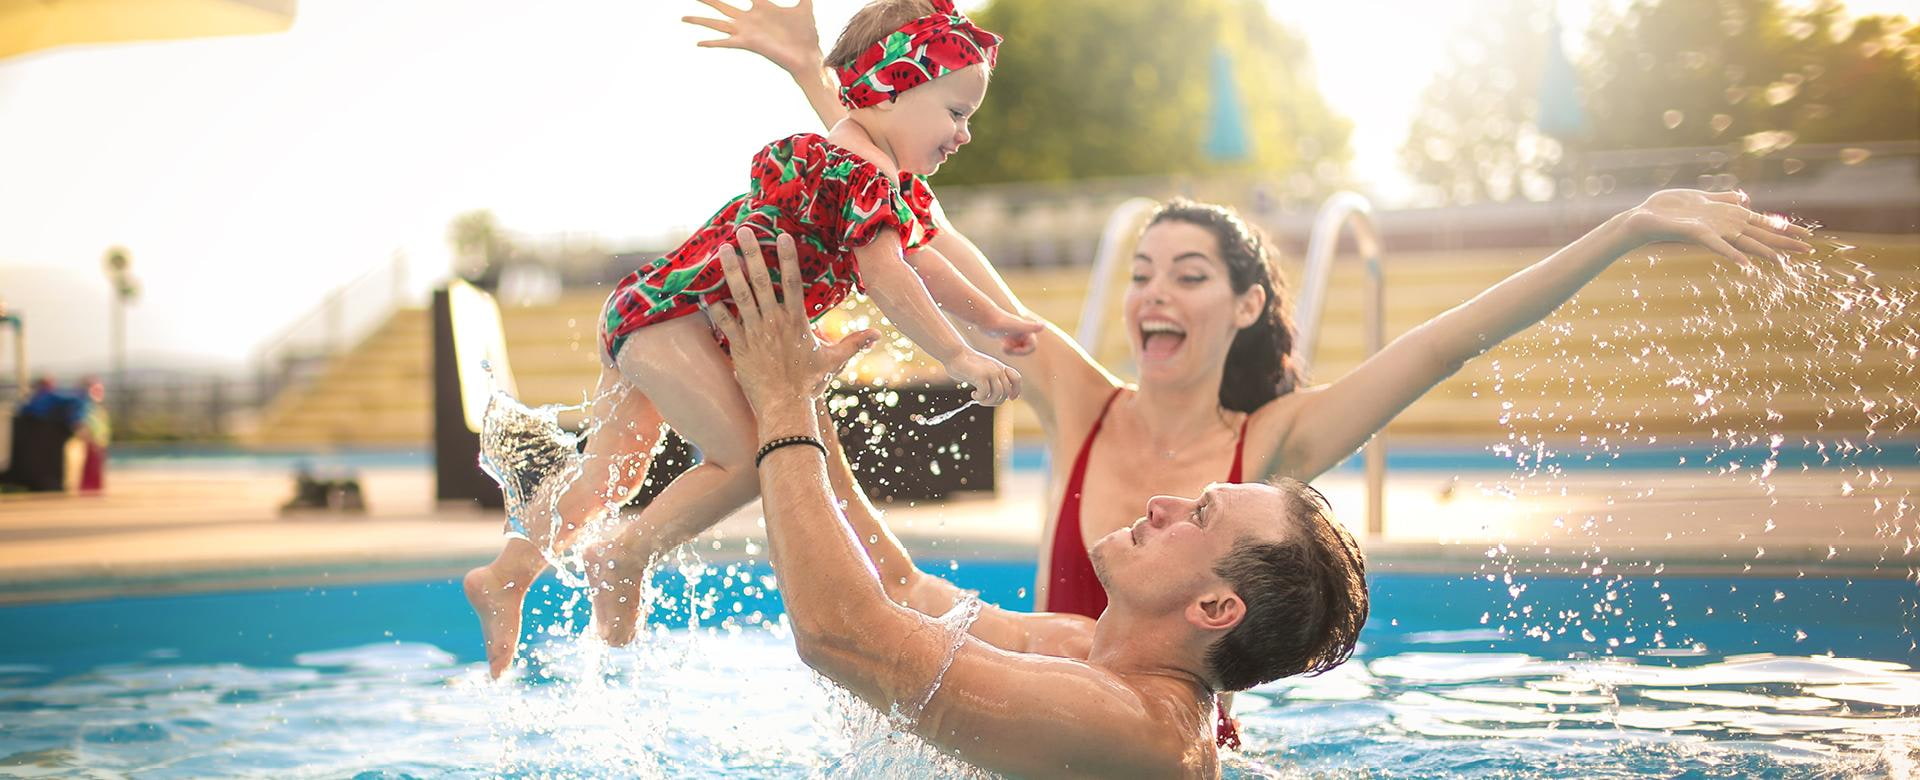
(676, 364)
(627, 425)
(616, 459)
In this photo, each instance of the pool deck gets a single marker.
(185, 528)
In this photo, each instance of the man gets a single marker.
(1242, 585)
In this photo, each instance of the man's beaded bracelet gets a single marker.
(787, 441)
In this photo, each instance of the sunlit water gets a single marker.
(386, 681)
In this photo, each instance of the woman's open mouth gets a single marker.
(1160, 339)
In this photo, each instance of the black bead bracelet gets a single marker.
(787, 441)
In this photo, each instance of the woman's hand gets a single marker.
(783, 34)
(994, 382)
(775, 354)
(1719, 221)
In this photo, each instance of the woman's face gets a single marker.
(1180, 308)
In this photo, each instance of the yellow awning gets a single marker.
(34, 25)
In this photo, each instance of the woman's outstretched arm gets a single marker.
(1326, 424)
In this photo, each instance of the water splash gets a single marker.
(905, 715)
(1782, 392)
(943, 416)
(532, 458)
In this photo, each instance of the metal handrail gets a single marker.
(20, 370)
(1342, 210)
(1348, 210)
(1122, 227)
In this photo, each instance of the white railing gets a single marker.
(348, 314)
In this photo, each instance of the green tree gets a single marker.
(1666, 73)
(1090, 88)
(1679, 73)
(1474, 132)
(479, 243)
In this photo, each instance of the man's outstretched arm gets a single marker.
(1047, 633)
(1013, 712)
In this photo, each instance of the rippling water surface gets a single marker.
(384, 681)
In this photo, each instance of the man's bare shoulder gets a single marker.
(1047, 716)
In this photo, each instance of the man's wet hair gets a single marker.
(1306, 597)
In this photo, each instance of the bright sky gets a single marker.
(250, 175)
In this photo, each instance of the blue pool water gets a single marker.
(1681, 676)
(1032, 457)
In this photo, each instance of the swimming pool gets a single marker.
(1681, 676)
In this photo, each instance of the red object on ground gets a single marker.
(93, 475)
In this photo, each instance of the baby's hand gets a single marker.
(994, 382)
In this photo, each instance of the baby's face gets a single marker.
(929, 123)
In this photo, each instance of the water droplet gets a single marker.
(1782, 91)
(1768, 141)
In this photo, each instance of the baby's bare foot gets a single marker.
(497, 601)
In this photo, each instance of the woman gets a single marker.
(1218, 396)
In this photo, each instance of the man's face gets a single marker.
(1166, 559)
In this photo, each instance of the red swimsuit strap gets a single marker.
(1075, 587)
(1239, 447)
(1079, 473)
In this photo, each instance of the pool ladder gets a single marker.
(1343, 211)
(18, 325)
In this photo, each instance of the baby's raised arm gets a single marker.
(960, 297)
(902, 295)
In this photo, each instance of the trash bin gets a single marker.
(38, 459)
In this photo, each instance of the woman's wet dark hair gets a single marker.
(1260, 363)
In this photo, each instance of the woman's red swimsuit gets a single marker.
(1074, 587)
(829, 198)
